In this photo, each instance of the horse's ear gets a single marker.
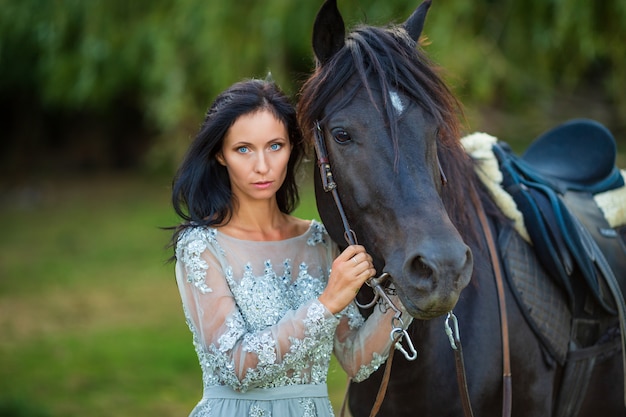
(415, 23)
(328, 32)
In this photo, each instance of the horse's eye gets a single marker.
(341, 136)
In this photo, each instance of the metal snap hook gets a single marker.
(398, 339)
(453, 335)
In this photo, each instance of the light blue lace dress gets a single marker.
(263, 339)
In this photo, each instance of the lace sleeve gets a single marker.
(233, 353)
(361, 346)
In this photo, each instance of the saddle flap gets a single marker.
(542, 302)
(579, 155)
(560, 241)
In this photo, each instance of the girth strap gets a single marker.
(576, 375)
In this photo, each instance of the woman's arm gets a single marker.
(238, 356)
(361, 346)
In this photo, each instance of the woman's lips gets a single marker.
(262, 185)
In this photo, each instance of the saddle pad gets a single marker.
(542, 302)
(479, 146)
(613, 204)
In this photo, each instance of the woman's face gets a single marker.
(256, 152)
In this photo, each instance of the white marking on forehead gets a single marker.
(396, 102)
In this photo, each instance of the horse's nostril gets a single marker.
(449, 269)
(421, 270)
(469, 260)
(468, 267)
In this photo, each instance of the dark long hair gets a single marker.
(201, 193)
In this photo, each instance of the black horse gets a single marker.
(412, 197)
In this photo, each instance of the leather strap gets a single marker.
(461, 379)
(382, 389)
(507, 390)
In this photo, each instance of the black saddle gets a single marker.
(560, 171)
(553, 184)
(577, 155)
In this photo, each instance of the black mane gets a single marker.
(388, 59)
(393, 61)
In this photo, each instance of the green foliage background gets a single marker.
(519, 66)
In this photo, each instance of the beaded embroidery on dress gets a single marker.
(257, 324)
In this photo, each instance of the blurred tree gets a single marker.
(90, 84)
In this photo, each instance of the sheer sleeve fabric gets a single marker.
(361, 346)
(235, 353)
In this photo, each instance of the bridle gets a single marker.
(375, 283)
(381, 296)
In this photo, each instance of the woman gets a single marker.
(265, 294)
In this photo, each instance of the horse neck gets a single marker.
(463, 196)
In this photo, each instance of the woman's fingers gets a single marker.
(361, 260)
(349, 271)
(350, 252)
(355, 254)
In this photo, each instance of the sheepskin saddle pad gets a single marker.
(567, 201)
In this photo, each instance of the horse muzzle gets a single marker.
(431, 278)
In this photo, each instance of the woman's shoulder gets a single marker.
(311, 230)
(296, 226)
(318, 234)
(194, 232)
(196, 239)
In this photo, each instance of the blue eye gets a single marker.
(275, 146)
(242, 149)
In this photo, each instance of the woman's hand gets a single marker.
(349, 271)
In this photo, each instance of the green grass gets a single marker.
(90, 317)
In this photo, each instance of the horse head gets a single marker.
(389, 126)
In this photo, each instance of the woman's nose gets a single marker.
(261, 164)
